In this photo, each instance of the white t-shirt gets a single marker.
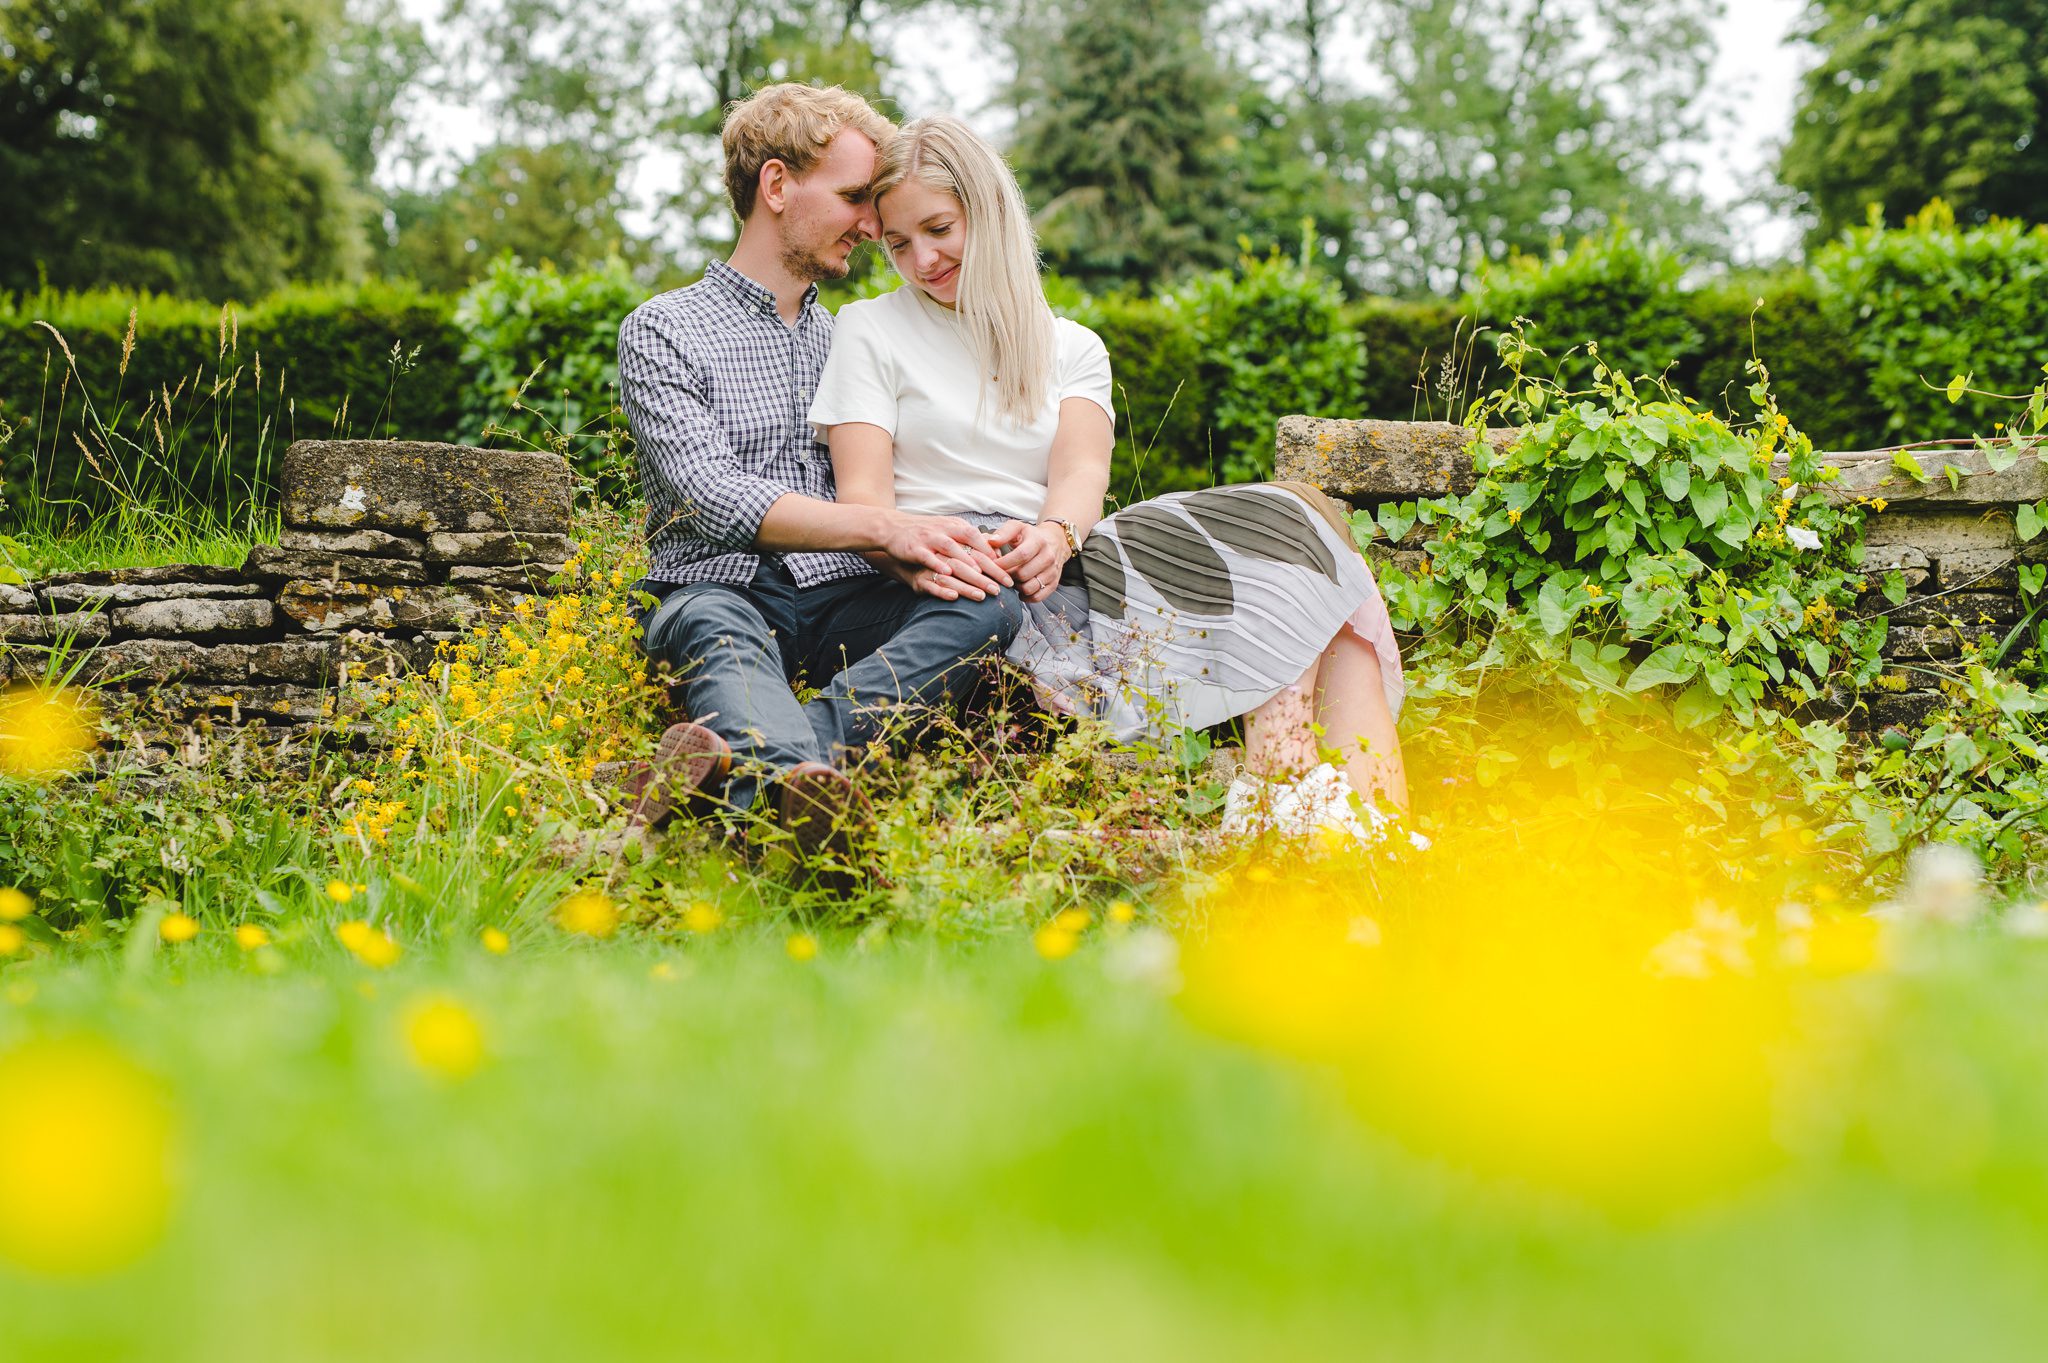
(901, 362)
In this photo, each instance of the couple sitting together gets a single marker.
(878, 504)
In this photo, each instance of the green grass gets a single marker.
(918, 1153)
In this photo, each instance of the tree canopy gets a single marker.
(1918, 99)
(151, 143)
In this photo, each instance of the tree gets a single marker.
(1503, 125)
(1919, 99)
(149, 143)
(1127, 129)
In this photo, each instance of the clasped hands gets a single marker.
(947, 558)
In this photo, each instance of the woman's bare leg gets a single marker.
(1279, 742)
(1351, 707)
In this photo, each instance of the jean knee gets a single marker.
(996, 618)
(704, 624)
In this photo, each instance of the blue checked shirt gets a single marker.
(717, 389)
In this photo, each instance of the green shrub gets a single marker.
(1821, 380)
(195, 403)
(1621, 293)
(1928, 301)
(1161, 413)
(540, 355)
(1406, 348)
(1272, 339)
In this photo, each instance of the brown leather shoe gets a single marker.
(689, 766)
(823, 811)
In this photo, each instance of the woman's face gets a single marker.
(925, 231)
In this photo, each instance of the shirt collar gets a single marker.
(752, 296)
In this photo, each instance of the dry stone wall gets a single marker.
(1952, 540)
(387, 549)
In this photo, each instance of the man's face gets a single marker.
(828, 212)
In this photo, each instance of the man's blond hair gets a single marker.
(793, 124)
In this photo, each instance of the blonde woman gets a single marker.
(961, 394)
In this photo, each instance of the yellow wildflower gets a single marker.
(14, 905)
(444, 1038)
(178, 927)
(496, 942)
(801, 947)
(1120, 911)
(1054, 942)
(702, 917)
(12, 939)
(248, 936)
(588, 913)
(339, 891)
(45, 732)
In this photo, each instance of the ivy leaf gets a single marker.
(1695, 706)
(1633, 490)
(2000, 457)
(2032, 577)
(1675, 475)
(1957, 386)
(2029, 520)
(1554, 607)
(1816, 656)
(1589, 481)
(11, 577)
(1895, 587)
(1397, 519)
(1654, 427)
(1904, 462)
(1709, 500)
(1668, 666)
(1954, 476)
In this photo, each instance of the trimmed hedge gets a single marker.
(208, 397)
(1201, 373)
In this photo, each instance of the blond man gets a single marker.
(761, 577)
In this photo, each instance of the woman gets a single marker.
(960, 393)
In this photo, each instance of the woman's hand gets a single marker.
(1033, 557)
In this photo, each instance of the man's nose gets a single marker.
(870, 222)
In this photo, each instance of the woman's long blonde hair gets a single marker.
(1001, 301)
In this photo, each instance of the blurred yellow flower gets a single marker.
(45, 732)
(87, 1184)
(371, 946)
(661, 970)
(12, 939)
(702, 917)
(1120, 911)
(496, 942)
(248, 936)
(801, 947)
(339, 891)
(1073, 920)
(178, 927)
(444, 1038)
(14, 905)
(588, 913)
(1054, 942)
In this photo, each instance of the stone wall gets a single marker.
(387, 549)
(1953, 541)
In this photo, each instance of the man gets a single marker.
(761, 577)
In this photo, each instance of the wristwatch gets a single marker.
(1066, 528)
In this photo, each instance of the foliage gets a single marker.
(1920, 99)
(1657, 532)
(148, 144)
(1495, 126)
(1618, 298)
(1933, 299)
(1272, 340)
(188, 404)
(542, 349)
(1628, 552)
(1124, 141)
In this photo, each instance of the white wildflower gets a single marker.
(1801, 537)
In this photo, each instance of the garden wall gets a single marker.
(1953, 540)
(388, 549)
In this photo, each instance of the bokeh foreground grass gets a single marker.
(712, 1146)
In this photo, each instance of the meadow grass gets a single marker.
(704, 1148)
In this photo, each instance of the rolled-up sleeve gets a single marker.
(686, 459)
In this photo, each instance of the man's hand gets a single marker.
(1033, 555)
(943, 557)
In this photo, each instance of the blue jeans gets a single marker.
(876, 647)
